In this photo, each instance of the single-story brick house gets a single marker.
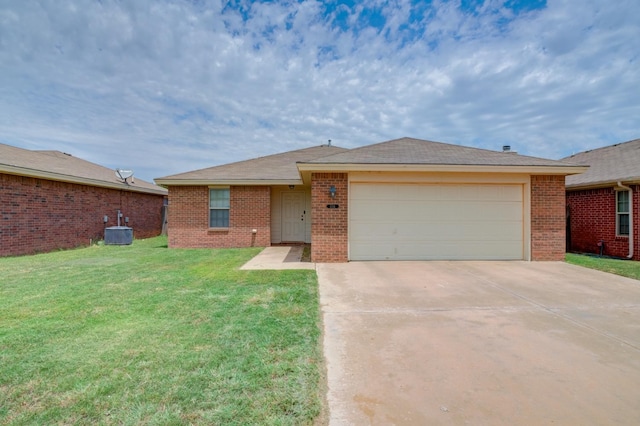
(603, 204)
(51, 200)
(397, 200)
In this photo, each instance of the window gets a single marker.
(219, 207)
(622, 213)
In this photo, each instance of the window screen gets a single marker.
(219, 207)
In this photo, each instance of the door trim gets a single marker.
(302, 213)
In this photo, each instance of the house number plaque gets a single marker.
(332, 206)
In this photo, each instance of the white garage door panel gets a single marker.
(372, 232)
(403, 192)
(415, 211)
(405, 221)
(437, 251)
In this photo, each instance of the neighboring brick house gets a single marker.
(404, 199)
(51, 200)
(603, 204)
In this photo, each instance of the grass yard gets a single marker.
(626, 268)
(142, 334)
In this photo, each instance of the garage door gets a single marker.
(435, 222)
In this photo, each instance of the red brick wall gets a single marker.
(593, 218)
(329, 229)
(38, 215)
(548, 220)
(188, 224)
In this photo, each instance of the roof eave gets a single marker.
(601, 184)
(227, 182)
(40, 174)
(360, 167)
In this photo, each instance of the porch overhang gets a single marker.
(307, 168)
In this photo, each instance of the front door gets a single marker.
(293, 216)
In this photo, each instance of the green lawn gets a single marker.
(626, 268)
(143, 334)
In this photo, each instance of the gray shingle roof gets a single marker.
(56, 165)
(277, 167)
(417, 151)
(610, 164)
(405, 151)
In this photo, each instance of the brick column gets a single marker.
(548, 220)
(329, 230)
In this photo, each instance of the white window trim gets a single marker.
(219, 208)
(619, 213)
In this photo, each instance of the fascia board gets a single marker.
(542, 170)
(227, 182)
(601, 184)
(58, 177)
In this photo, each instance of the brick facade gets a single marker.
(249, 209)
(592, 218)
(329, 229)
(38, 215)
(548, 221)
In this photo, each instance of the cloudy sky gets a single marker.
(167, 86)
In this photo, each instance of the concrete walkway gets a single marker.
(279, 257)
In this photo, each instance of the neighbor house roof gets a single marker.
(421, 155)
(277, 169)
(607, 165)
(59, 166)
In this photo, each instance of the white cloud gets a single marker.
(172, 86)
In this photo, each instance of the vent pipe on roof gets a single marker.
(329, 142)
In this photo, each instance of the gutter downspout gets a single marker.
(620, 185)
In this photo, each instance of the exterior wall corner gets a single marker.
(592, 222)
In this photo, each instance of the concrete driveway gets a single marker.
(426, 343)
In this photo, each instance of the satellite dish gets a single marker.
(124, 174)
